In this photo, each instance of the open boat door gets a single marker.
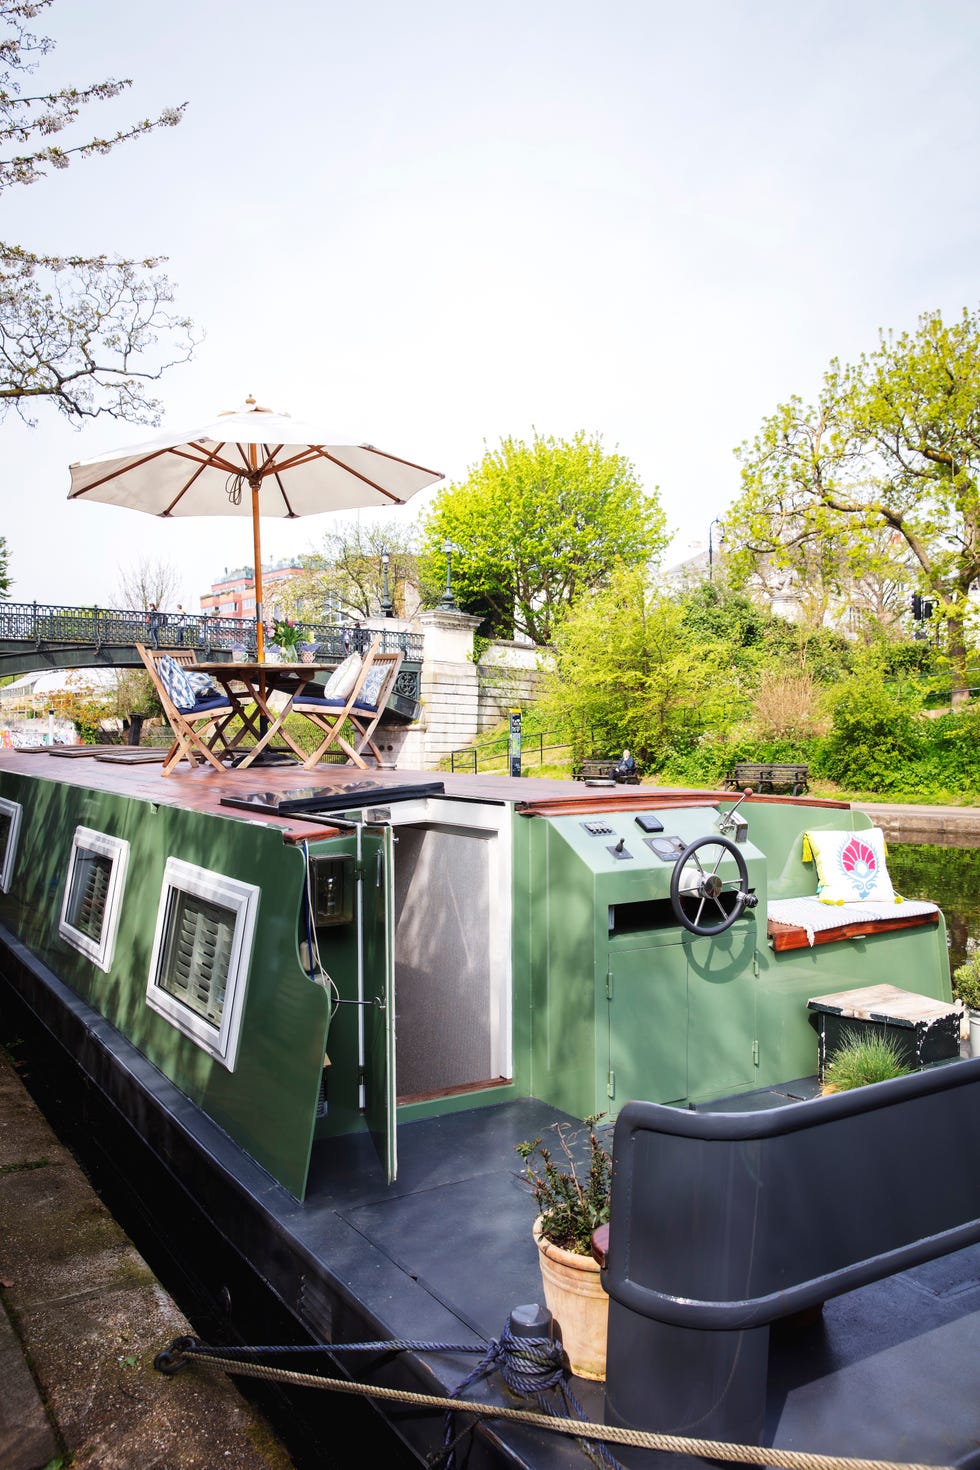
(376, 933)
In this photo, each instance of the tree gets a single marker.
(536, 526)
(146, 582)
(347, 577)
(892, 445)
(5, 578)
(81, 332)
(629, 672)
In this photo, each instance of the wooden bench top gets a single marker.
(784, 935)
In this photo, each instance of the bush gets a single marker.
(875, 736)
(966, 983)
(863, 1059)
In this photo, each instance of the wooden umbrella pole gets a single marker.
(256, 484)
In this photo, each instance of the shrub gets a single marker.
(572, 1200)
(966, 982)
(875, 735)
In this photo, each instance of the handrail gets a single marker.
(468, 758)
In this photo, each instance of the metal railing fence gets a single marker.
(49, 625)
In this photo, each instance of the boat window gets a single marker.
(10, 814)
(93, 894)
(201, 953)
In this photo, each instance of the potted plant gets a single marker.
(285, 637)
(966, 987)
(572, 1198)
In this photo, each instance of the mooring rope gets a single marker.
(532, 1367)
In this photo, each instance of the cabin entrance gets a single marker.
(416, 935)
(446, 1007)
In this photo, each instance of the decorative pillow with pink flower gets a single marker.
(851, 866)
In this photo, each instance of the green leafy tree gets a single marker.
(537, 525)
(628, 672)
(6, 581)
(879, 477)
(81, 332)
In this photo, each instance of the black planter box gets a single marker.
(923, 1030)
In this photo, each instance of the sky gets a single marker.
(433, 226)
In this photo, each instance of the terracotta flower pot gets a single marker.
(575, 1297)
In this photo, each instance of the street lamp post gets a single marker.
(387, 606)
(448, 602)
(721, 537)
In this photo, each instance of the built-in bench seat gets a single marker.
(797, 923)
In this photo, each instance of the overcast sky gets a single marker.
(434, 225)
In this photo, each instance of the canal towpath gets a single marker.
(81, 1321)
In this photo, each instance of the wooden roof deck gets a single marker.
(201, 789)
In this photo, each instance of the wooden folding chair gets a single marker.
(363, 706)
(199, 725)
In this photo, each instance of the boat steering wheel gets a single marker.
(697, 890)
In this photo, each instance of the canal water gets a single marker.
(949, 876)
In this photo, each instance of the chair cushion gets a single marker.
(331, 706)
(851, 866)
(204, 705)
(343, 678)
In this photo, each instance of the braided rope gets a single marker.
(576, 1428)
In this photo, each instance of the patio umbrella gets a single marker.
(249, 462)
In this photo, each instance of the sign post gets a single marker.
(515, 742)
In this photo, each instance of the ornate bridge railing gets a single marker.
(41, 636)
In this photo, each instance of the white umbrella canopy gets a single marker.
(249, 462)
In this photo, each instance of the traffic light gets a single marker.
(916, 606)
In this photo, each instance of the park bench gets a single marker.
(594, 769)
(767, 776)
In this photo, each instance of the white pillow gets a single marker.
(343, 678)
(851, 866)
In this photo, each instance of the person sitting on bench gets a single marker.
(624, 768)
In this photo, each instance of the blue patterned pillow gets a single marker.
(371, 688)
(177, 684)
(202, 684)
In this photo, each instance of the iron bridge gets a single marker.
(42, 637)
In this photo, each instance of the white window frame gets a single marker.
(220, 1042)
(100, 950)
(14, 811)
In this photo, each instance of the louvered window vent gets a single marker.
(93, 894)
(201, 954)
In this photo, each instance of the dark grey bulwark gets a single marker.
(723, 1223)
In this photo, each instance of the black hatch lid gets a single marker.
(337, 797)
